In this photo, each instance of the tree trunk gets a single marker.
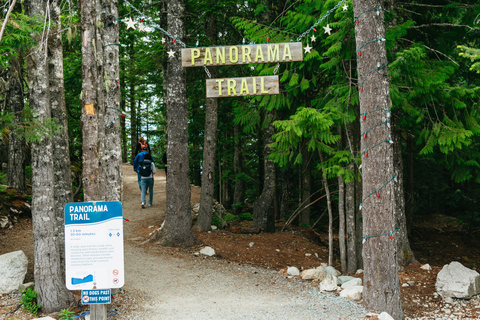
(90, 124)
(410, 185)
(239, 192)
(61, 150)
(287, 200)
(263, 215)
(330, 213)
(350, 226)
(48, 271)
(113, 153)
(122, 120)
(178, 219)
(16, 141)
(304, 219)
(204, 222)
(405, 255)
(100, 86)
(133, 111)
(341, 223)
(381, 281)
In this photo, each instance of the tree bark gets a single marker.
(341, 223)
(239, 191)
(330, 213)
(122, 120)
(304, 218)
(381, 281)
(48, 271)
(263, 214)
(350, 226)
(16, 141)
(90, 107)
(204, 222)
(178, 219)
(113, 152)
(61, 150)
(133, 111)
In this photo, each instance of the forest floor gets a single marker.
(436, 240)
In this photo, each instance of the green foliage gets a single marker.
(3, 178)
(66, 314)
(473, 54)
(29, 301)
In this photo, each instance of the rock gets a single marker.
(405, 285)
(5, 222)
(333, 271)
(48, 318)
(313, 274)
(411, 283)
(208, 251)
(343, 279)
(329, 283)
(308, 254)
(352, 283)
(251, 244)
(426, 267)
(13, 267)
(359, 271)
(352, 293)
(457, 281)
(293, 271)
(25, 286)
(213, 227)
(385, 316)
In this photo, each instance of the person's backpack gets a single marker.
(145, 168)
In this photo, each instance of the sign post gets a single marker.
(94, 249)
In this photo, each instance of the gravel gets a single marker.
(206, 288)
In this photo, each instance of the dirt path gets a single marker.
(173, 284)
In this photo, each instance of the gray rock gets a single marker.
(13, 267)
(45, 318)
(293, 271)
(426, 267)
(329, 283)
(313, 274)
(355, 282)
(457, 281)
(352, 293)
(25, 286)
(385, 316)
(343, 279)
(208, 251)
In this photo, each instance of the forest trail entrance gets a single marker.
(174, 284)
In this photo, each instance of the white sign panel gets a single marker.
(94, 245)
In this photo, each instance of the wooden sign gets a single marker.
(238, 87)
(242, 54)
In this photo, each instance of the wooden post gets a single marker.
(98, 312)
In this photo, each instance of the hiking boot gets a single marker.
(143, 205)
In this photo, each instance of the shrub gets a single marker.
(29, 301)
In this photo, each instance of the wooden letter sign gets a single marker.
(237, 87)
(242, 54)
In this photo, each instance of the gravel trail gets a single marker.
(181, 286)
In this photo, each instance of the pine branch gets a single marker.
(434, 5)
(443, 25)
(436, 51)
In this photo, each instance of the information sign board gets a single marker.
(94, 245)
(97, 296)
(246, 86)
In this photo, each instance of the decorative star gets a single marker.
(163, 40)
(345, 7)
(307, 48)
(327, 29)
(141, 27)
(130, 24)
(171, 53)
(313, 38)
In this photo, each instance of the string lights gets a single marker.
(122, 115)
(377, 10)
(359, 51)
(389, 234)
(377, 68)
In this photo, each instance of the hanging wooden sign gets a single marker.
(242, 54)
(238, 87)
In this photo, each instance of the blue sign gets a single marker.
(94, 245)
(101, 296)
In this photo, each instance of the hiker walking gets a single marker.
(145, 168)
(142, 144)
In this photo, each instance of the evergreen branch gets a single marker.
(443, 25)
(434, 5)
(436, 51)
